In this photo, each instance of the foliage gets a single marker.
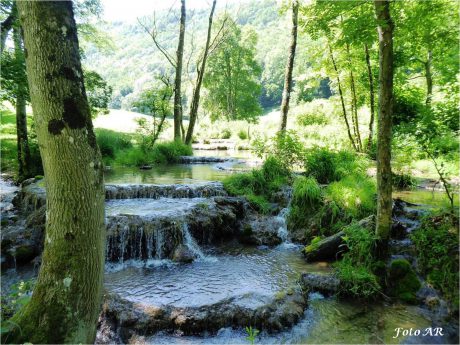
(232, 77)
(436, 243)
(110, 143)
(18, 297)
(403, 281)
(243, 135)
(226, 134)
(286, 146)
(259, 185)
(98, 92)
(355, 194)
(306, 193)
(355, 270)
(403, 181)
(329, 166)
(252, 334)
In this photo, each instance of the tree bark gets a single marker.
(178, 79)
(66, 301)
(199, 80)
(371, 98)
(289, 68)
(344, 110)
(21, 114)
(384, 183)
(429, 78)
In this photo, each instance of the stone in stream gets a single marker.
(327, 284)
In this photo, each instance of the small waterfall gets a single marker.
(190, 242)
(282, 230)
(159, 241)
(149, 245)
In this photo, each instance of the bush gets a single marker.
(328, 166)
(259, 185)
(170, 152)
(306, 193)
(436, 243)
(242, 134)
(355, 194)
(226, 134)
(403, 181)
(356, 268)
(312, 119)
(110, 142)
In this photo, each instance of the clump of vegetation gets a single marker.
(161, 153)
(312, 119)
(111, 143)
(355, 194)
(328, 166)
(313, 244)
(436, 242)
(403, 281)
(403, 181)
(306, 193)
(356, 269)
(243, 135)
(226, 134)
(259, 185)
(19, 296)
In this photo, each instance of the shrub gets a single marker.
(312, 119)
(328, 166)
(306, 193)
(355, 194)
(226, 134)
(170, 152)
(259, 185)
(436, 243)
(134, 156)
(110, 142)
(242, 134)
(403, 281)
(356, 268)
(403, 181)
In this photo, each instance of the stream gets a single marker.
(143, 225)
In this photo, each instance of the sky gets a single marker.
(129, 10)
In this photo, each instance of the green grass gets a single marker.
(259, 185)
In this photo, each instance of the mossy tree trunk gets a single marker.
(178, 78)
(66, 301)
(199, 80)
(384, 183)
(289, 67)
(21, 113)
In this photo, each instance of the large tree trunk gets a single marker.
(384, 183)
(178, 79)
(21, 114)
(196, 92)
(344, 110)
(289, 68)
(371, 98)
(66, 301)
(429, 78)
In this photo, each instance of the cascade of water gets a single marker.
(190, 242)
(282, 230)
(159, 239)
(141, 235)
(149, 238)
(122, 244)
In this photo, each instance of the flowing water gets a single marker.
(234, 271)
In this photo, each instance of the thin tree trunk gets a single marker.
(429, 78)
(199, 80)
(66, 300)
(344, 110)
(21, 114)
(371, 98)
(178, 79)
(354, 103)
(384, 183)
(289, 68)
(6, 26)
